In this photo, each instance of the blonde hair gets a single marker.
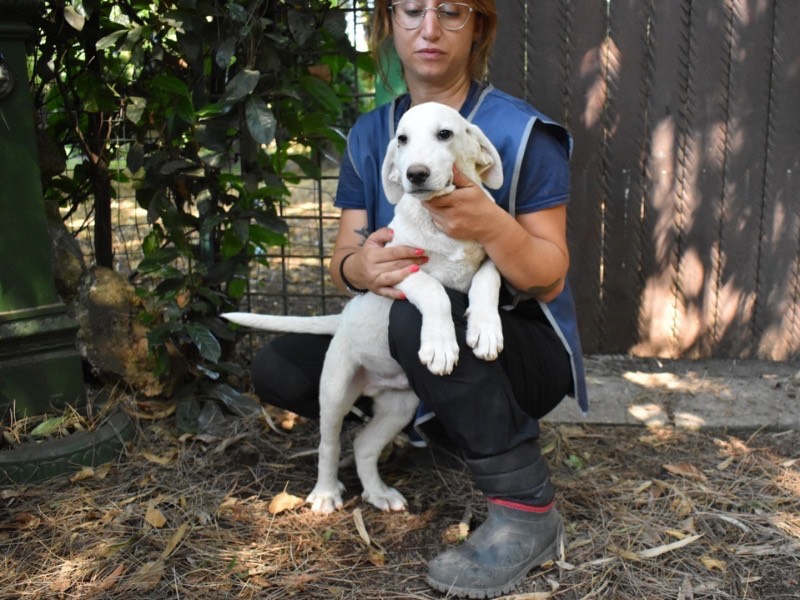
(485, 23)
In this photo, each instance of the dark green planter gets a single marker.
(40, 368)
(38, 462)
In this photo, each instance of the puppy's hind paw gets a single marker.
(386, 499)
(324, 500)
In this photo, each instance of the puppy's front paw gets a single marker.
(324, 500)
(438, 351)
(485, 334)
(385, 499)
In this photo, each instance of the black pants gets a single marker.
(489, 409)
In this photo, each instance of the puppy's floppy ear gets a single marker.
(390, 175)
(488, 164)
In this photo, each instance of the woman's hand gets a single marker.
(466, 213)
(382, 267)
(369, 263)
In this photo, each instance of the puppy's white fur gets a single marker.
(430, 139)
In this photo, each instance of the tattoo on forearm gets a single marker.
(364, 233)
(541, 290)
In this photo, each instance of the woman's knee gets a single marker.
(405, 325)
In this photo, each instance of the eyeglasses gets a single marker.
(452, 15)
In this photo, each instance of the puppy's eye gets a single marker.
(402, 139)
(444, 135)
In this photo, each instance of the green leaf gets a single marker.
(175, 165)
(264, 238)
(111, 39)
(237, 288)
(134, 109)
(212, 110)
(225, 52)
(170, 84)
(260, 120)
(188, 411)
(239, 404)
(232, 244)
(322, 93)
(159, 335)
(204, 340)
(49, 426)
(211, 420)
(158, 260)
(135, 158)
(236, 12)
(302, 25)
(242, 84)
(575, 462)
(308, 166)
(74, 18)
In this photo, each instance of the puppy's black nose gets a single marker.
(418, 174)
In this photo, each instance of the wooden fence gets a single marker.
(685, 212)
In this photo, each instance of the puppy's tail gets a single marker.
(282, 324)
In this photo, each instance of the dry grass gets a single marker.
(650, 513)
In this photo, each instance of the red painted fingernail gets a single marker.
(414, 268)
(419, 251)
(402, 296)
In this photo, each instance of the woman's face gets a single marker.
(432, 55)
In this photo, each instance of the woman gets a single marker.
(490, 410)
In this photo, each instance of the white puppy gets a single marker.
(430, 139)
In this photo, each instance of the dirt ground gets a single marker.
(653, 513)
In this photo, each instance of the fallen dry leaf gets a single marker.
(174, 540)
(22, 521)
(147, 576)
(288, 421)
(725, 464)
(155, 517)
(623, 553)
(456, 533)
(108, 582)
(360, 527)
(659, 550)
(283, 502)
(227, 506)
(82, 475)
(377, 557)
(225, 443)
(713, 563)
(687, 470)
(164, 459)
(676, 533)
(102, 471)
(66, 577)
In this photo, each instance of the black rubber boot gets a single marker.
(499, 554)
